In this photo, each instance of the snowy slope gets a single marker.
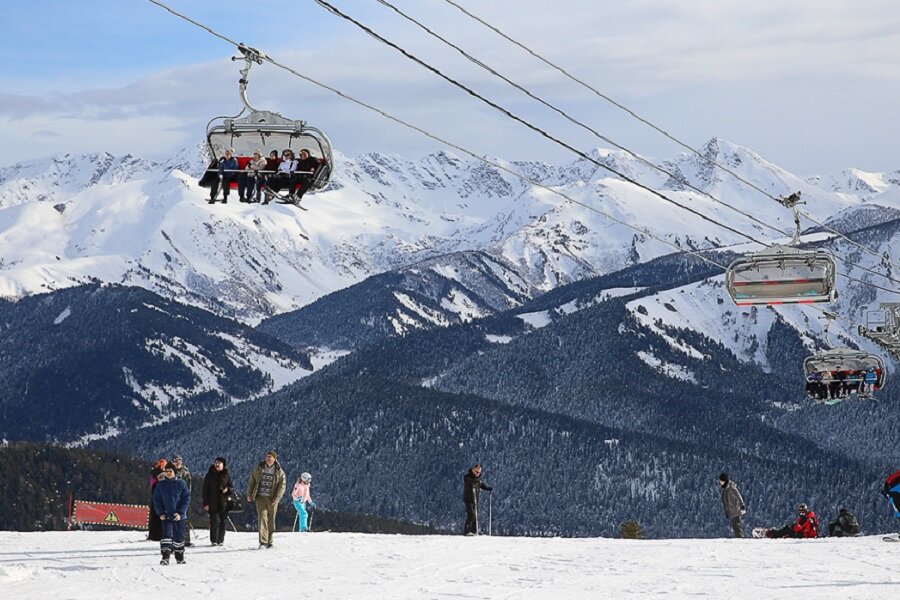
(107, 565)
(72, 219)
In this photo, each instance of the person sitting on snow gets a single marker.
(806, 526)
(301, 496)
(845, 525)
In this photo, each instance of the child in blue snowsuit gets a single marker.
(891, 491)
(300, 496)
(171, 498)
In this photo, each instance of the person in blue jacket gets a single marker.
(171, 499)
(228, 172)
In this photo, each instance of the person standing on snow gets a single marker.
(733, 504)
(472, 486)
(154, 533)
(171, 499)
(183, 473)
(216, 486)
(301, 496)
(266, 487)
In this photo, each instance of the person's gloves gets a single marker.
(743, 511)
(312, 504)
(488, 488)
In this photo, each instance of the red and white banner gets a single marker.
(102, 513)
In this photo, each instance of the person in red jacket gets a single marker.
(806, 526)
(891, 491)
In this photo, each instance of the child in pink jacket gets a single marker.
(301, 497)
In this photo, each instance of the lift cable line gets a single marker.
(549, 136)
(527, 124)
(689, 148)
(579, 123)
(644, 231)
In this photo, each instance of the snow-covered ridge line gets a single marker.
(71, 219)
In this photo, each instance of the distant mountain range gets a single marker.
(451, 314)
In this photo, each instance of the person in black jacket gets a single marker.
(472, 486)
(217, 485)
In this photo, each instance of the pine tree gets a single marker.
(631, 530)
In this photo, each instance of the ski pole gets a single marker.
(490, 512)
(294, 526)
(232, 523)
(311, 513)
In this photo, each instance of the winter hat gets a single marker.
(169, 466)
(221, 460)
(723, 477)
(273, 454)
(161, 463)
(176, 457)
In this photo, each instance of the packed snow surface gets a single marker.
(106, 565)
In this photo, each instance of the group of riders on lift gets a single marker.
(838, 385)
(259, 179)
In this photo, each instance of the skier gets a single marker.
(733, 504)
(301, 496)
(217, 485)
(845, 525)
(171, 499)
(266, 487)
(472, 486)
(183, 473)
(806, 526)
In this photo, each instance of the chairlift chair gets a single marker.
(883, 327)
(782, 275)
(266, 131)
(844, 365)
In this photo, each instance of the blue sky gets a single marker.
(811, 85)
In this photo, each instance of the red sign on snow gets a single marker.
(102, 513)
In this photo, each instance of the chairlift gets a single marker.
(883, 327)
(783, 274)
(835, 374)
(253, 129)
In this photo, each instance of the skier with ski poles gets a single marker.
(472, 486)
(301, 497)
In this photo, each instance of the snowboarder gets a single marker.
(266, 487)
(806, 526)
(845, 525)
(217, 485)
(733, 504)
(472, 486)
(171, 499)
(301, 497)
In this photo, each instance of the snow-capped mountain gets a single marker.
(69, 219)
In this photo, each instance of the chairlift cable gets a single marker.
(662, 131)
(577, 122)
(540, 131)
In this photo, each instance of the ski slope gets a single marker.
(107, 565)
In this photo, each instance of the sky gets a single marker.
(812, 85)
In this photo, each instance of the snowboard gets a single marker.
(892, 538)
(759, 532)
